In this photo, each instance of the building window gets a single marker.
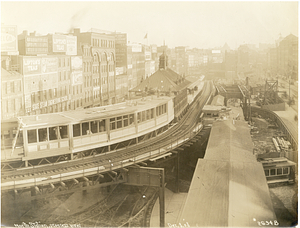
(12, 87)
(19, 86)
(37, 97)
(4, 87)
(50, 92)
(5, 109)
(32, 98)
(44, 95)
(12, 105)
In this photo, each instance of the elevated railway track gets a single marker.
(114, 162)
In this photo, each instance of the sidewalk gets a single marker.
(174, 203)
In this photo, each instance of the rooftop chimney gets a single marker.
(76, 30)
(33, 33)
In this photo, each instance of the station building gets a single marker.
(166, 82)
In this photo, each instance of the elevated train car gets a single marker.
(66, 133)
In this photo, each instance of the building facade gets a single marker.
(98, 55)
(288, 57)
(11, 94)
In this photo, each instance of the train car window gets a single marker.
(139, 117)
(119, 122)
(152, 113)
(32, 136)
(86, 128)
(102, 126)
(112, 123)
(279, 171)
(143, 116)
(286, 170)
(148, 114)
(157, 113)
(53, 133)
(125, 121)
(272, 172)
(43, 135)
(63, 132)
(215, 114)
(131, 119)
(267, 172)
(76, 130)
(94, 126)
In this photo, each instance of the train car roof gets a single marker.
(229, 187)
(230, 142)
(103, 112)
(211, 108)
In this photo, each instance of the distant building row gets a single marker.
(60, 72)
(277, 60)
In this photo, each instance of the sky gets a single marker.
(195, 24)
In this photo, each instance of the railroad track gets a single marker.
(106, 160)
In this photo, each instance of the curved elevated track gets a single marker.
(113, 162)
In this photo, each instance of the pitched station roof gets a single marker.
(165, 80)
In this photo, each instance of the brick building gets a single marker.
(11, 94)
(98, 55)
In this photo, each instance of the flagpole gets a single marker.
(146, 37)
